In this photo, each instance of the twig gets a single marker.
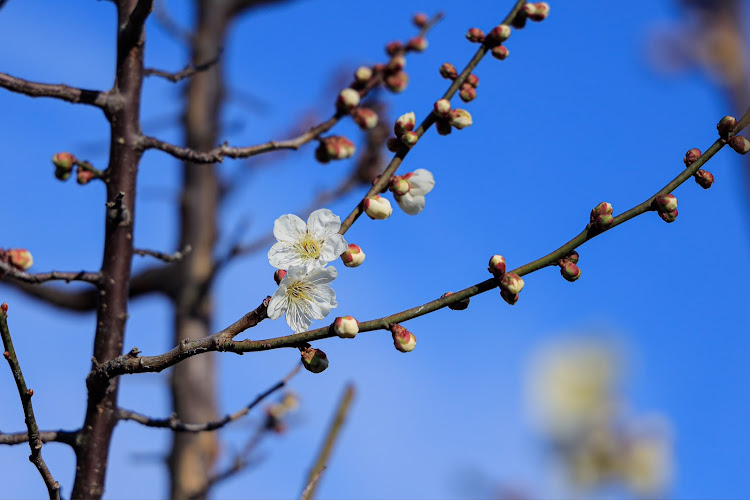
(188, 71)
(8, 271)
(65, 437)
(35, 442)
(166, 257)
(58, 91)
(218, 154)
(325, 451)
(173, 423)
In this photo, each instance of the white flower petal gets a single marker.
(421, 182)
(321, 275)
(289, 228)
(283, 255)
(277, 305)
(411, 204)
(323, 223)
(332, 248)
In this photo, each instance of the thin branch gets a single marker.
(173, 423)
(325, 451)
(188, 71)
(168, 24)
(218, 154)
(8, 271)
(57, 91)
(61, 436)
(35, 442)
(166, 257)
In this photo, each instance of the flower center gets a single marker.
(298, 290)
(309, 247)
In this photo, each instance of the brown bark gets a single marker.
(93, 442)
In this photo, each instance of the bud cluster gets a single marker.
(666, 206)
(726, 126)
(64, 163)
(403, 339)
(468, 90)
(703, 178)
(404, 130)
(536, 11)
(334, 147)
(20, 258)
(601, 216)
(569, 266)
(510, 284)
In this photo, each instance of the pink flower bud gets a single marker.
(353, 256)
(448, 71)
(442, 107)
(472, 80)
(314, 360)
(500, 52)
(665, 202)
(420, 20)
(704, 178)
(399, 186)
(409, 138)
(397, 82)
(394, 48)
(511, 283)
(443, 126)
(377, 207)
(417, 44)
(460, 118)
(537, 11)
(404, 123)
(64, 160)
(601, 216)
(346, 327)
(508, 297)
(572, 256)
(335, 147)
(363, 74)
(569, 270)
(403, 339)
(475, 35)
(668, 216)
(397, 63)
(497, 265)
(497, 35)
(726, 126)
(457, 306)
(347, 100)
(278, 275)
(84, 176)
(602, 208)
(467, 93)
(739, 143)
(20, 258)
(393, 144)
(365, 118)
(691, 156)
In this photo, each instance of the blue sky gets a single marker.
(575, 116)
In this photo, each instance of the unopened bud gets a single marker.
(394, 48)
(397, 82)
(409, 138)
(460, 118)
(467, 93)
(572, 256)
(510, 298)
(726, 126)
(691, 156)
(472, 80)
(497, 265)
(569, 270)
(668, 216)
(500, 52)
(377, 207)
(497, 35)
(704, 178)
(314, 360)
(739, 143)
(399, 186)
(420, 20)
(278, 275)
(442, 107)
(84, 176)
(457, 306)
(511, 283)
(347, 100)
(417, 44)
(365, 118)
(665, 202)
(475, 35)
(20, 258)
(397, 63)
(353, 256)
(537, 11)
(447, 70)
(405, 123)
(403, 339)
(601, 216)
(64, 160)
(363, 74)
(335, 147)
(346, 327)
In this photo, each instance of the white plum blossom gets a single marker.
(420, 182)
(304, 295)
(312, 245)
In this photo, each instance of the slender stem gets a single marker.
(9, 271)
(61, 436)
(58, 91)
(33, 438)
